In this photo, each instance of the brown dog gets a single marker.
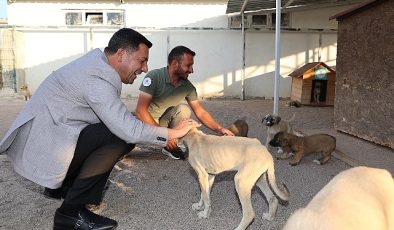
(293, 104)
(240, 128)
(301, 146)
(360, 198)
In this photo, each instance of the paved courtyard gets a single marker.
(150, 191)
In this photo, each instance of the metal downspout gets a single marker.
(243, 59)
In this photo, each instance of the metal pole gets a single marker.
(243, 57)
(243, 49)
(91, 38)
(277, 57)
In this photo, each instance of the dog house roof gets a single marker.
(308, 70)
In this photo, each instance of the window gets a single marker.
(74, 18)
(115, 18)
(96, 17)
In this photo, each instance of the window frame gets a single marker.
(87, 16)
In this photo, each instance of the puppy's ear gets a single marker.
(278, 118)
(285, 143)
(283, 140)
(276, 136)
(265, 118)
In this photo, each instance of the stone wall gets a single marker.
(365, 75)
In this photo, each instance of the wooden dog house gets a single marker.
(313, 84)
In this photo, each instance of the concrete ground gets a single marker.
(150, 191)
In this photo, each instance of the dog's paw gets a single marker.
(267, 216)
(283, 157)
(197, 206)
(203, 214)
(182, 146)
(317, 162)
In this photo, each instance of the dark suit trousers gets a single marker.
(96, 153)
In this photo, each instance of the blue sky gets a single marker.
(3, 8)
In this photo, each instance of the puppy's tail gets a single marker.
(283, 196)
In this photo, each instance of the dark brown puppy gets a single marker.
(301, 146)
(239, 128)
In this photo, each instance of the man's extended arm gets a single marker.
(207, 119)
(142, 112)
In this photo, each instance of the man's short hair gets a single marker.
(178, 52)
(126, 38)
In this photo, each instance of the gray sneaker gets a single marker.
(175, 154)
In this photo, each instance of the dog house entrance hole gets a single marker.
(319, 91)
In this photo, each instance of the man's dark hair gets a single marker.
(178, 52)
(126, 38)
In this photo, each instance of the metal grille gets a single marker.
(7, 63)
(235, 6)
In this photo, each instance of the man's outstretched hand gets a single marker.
(181, 129)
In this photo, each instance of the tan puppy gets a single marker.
(209, 155)
(301, 146)
(239, 128)
(24, 90)
(360, 198)
(317, 91)
(275, 124)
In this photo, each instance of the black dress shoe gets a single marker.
(86, 220)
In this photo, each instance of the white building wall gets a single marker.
(218, 63)
(316, 18)
(176, 15)
(136, 15)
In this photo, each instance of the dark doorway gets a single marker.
(319, 91)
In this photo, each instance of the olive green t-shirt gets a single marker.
(164, 95)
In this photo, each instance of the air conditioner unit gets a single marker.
(259, 20)
(285, 20)
(234, 21)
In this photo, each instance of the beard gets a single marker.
(182, 74)
(132, 77)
